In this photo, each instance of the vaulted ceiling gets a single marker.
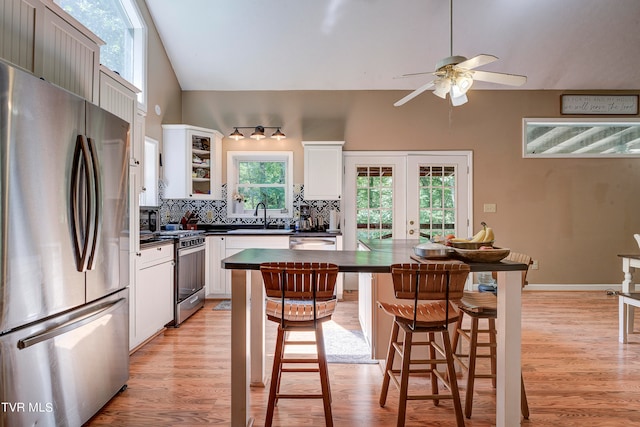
(239, 45)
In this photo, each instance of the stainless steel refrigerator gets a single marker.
(64, 254)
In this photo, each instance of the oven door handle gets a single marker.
(192, 250)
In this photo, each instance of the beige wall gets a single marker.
(572, 215)
(163, 88)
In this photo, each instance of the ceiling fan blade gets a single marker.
(413, 74)
(413, 94)
(500, 78)
(477, 61)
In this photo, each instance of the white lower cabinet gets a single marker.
(152, 297)
(219, 279)
(216, 283)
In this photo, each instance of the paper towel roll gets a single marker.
(333, 220)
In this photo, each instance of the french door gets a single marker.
(406, 195)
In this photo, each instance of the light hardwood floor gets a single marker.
(576, 374)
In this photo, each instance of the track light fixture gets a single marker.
(258, 132)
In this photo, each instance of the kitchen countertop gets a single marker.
(403, 248)
(383, 253)
(274, 232)
(247, 231)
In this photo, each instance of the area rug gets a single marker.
(345, 346)
(225, 304)
(341, 345)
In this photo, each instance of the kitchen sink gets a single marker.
(259, 231)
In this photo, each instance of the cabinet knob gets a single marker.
(411, 231)
(138, 254)
(160, 249)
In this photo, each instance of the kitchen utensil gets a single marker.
(432, 250)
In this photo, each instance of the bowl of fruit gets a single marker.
(484, 237)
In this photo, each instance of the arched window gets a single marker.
(120, 24)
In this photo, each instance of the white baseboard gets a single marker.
(568, 287)
(573, 287)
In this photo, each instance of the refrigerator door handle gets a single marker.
(96, 194)
(65, 327)
(80, 204)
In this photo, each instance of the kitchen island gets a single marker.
(247, 321)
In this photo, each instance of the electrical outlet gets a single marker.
(534, 264)
(209, 215)
(489, 207)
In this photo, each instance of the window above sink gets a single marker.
(254, 177)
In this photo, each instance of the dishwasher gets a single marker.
(328, 243)
(312, 243)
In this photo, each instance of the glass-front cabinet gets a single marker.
(192, 162)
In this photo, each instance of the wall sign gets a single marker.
(599, 104)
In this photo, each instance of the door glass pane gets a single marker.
(374, 204)
(437, 207)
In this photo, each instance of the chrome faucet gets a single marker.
(265, 213)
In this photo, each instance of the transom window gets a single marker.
(120, 25)
(254, 177)
(581, 137)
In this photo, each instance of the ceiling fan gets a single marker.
(455, 75)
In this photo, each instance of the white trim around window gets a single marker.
(233, 157)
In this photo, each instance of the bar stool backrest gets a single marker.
(301, 281)
(432, 280)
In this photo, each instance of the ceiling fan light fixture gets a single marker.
(442, 88)
(457, 101)
(236, 134)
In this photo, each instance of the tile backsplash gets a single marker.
(172, 210)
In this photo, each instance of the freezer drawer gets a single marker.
(60, 372)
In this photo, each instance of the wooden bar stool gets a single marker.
(440, 284)
(483, 305)
(300, 297)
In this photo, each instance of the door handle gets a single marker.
(81, 320)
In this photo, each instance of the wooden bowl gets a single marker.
(484, 255)
(470, 245)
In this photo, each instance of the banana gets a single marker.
(489, 236)
(479, 237)
(458, 239)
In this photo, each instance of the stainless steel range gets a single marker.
(189, 272)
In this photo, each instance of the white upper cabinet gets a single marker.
(322, 170)
(120, 97)
(192, 162)
(19, 32)
(149, 195)
(70, 54)
(41, 38)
